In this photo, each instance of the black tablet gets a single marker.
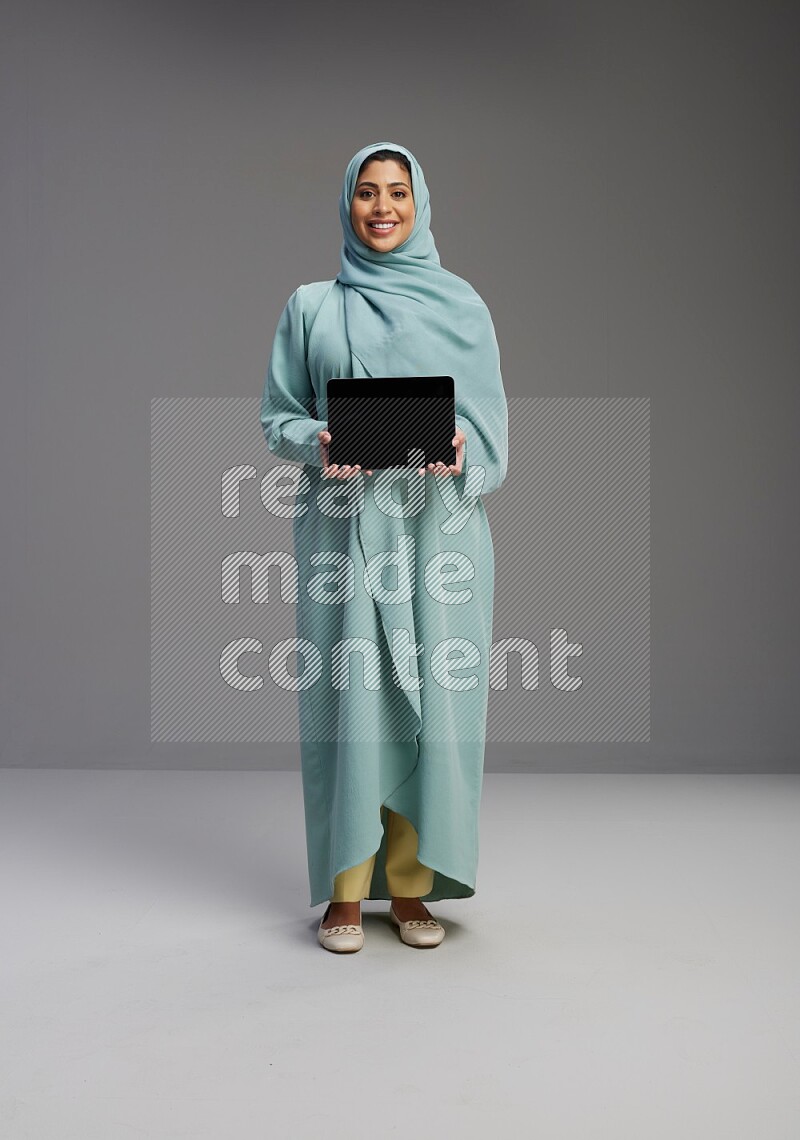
(378, 420)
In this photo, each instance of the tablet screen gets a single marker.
(378, 420)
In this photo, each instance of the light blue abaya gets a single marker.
(405, 727)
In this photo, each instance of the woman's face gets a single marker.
(383, 195)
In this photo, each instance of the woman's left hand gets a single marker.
(459, 439)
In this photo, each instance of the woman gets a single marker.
(392, 765)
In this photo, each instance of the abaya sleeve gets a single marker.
(483, 418)
(288, 406)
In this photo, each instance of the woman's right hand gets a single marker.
(334, 470)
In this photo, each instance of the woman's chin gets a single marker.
(381, 246)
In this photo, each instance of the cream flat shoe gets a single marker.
(419, 931)
(341, 939)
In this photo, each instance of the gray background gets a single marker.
(619, 182)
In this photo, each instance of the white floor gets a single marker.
(628, 967)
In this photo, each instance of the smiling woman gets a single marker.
(382, 210)
(372, 746)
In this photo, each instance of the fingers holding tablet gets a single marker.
(440, 468)
(335, 470)
(347, 470)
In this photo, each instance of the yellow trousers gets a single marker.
(406, 877)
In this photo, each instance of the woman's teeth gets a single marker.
(382, 225)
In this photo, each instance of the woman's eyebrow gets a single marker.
(375, 184)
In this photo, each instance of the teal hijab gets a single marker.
(406, 315)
